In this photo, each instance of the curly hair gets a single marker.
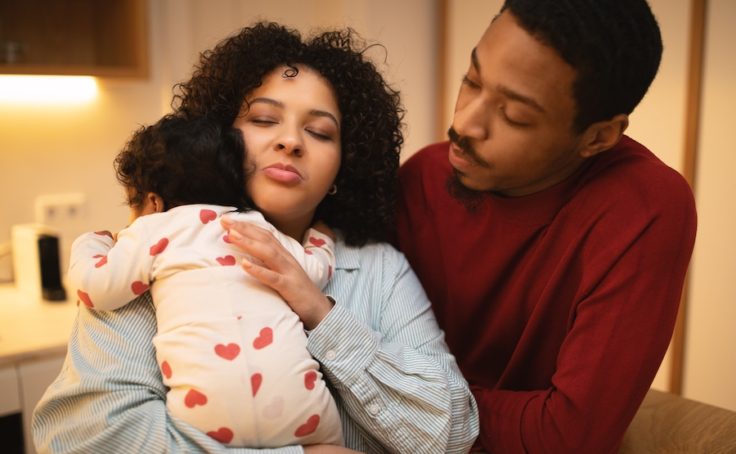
(615, 47)
(363, 208)
(184, 161)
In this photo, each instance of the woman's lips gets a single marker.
(283, 173)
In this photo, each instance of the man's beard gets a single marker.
(469, 198)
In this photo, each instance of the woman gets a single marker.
(322, 134)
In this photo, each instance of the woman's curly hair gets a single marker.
(363, 207)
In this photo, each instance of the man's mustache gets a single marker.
(463, 143)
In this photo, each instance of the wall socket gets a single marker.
(55, 209)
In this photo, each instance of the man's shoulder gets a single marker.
(631, 176)
(430, 159)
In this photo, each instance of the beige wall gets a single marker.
(710, 372)
(47, 149)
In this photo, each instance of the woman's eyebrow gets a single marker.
(280, 105)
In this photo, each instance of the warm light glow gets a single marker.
(47, 89)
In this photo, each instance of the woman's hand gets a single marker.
(273, 266)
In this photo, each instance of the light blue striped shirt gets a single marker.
(397, 387)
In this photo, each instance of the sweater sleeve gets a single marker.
(105, 274)
(109, 395)
(618, 335)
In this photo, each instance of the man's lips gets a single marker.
(283, 173)
(459, 159)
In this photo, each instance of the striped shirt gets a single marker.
(397, 387)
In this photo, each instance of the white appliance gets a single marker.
(36, 263)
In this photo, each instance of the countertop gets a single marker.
(32, 328)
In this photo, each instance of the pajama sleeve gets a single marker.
(105, 274)
(109, 396)
(393, 372)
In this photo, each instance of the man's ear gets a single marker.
(153, 203)
(603, 135)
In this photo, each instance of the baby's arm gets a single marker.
(319, 254)
(105, 274)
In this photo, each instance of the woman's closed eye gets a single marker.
(319, 135)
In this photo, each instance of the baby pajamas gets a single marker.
(232, 352)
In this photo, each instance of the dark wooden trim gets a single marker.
(442, 62)
(698, 17)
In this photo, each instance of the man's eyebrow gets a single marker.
(279, 104)
(507, 91)
(516, 96)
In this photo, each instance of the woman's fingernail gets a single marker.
(233, 235)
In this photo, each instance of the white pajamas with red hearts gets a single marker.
(230, 349)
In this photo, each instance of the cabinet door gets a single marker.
(35, 377)
(9, 397)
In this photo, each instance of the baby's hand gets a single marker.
(324, 229)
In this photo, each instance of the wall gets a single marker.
(50, 149)
(710, 359)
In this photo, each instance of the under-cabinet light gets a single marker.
(47, 89)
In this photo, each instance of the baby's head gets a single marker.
(179, 161)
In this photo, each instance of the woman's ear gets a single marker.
(152, 203)
(603, 135)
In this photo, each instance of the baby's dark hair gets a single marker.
(615, 47)
(363, 207)
(184, 161)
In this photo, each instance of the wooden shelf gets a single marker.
(74, 37)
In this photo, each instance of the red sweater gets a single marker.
(559, 306)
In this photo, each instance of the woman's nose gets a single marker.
(290, 144)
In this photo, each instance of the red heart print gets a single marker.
(264, 339)
(316, 241)
(307, 251)
(227, 260)
(104, 233)
(223, 435)
(228, 352)
(308, 427)
(159, 247)
(206, 215)
(194, 398)
(139, 287)
(226, 238)
(166, 369)
(84, 297)
(255, 383)
(309, 379)
(101, 262)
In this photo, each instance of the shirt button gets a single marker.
(373, 409)
(330, 355)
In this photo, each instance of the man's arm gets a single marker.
(615, 345)
(109, 396)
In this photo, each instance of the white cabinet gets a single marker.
(34, 377)
(9, 394)
(21, 387)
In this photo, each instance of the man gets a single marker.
(553, 247)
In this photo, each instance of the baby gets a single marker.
(231, 351)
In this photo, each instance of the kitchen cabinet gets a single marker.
(33, 340)
(74, 37)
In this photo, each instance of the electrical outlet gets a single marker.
(56, 209)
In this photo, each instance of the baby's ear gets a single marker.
(152, 203)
